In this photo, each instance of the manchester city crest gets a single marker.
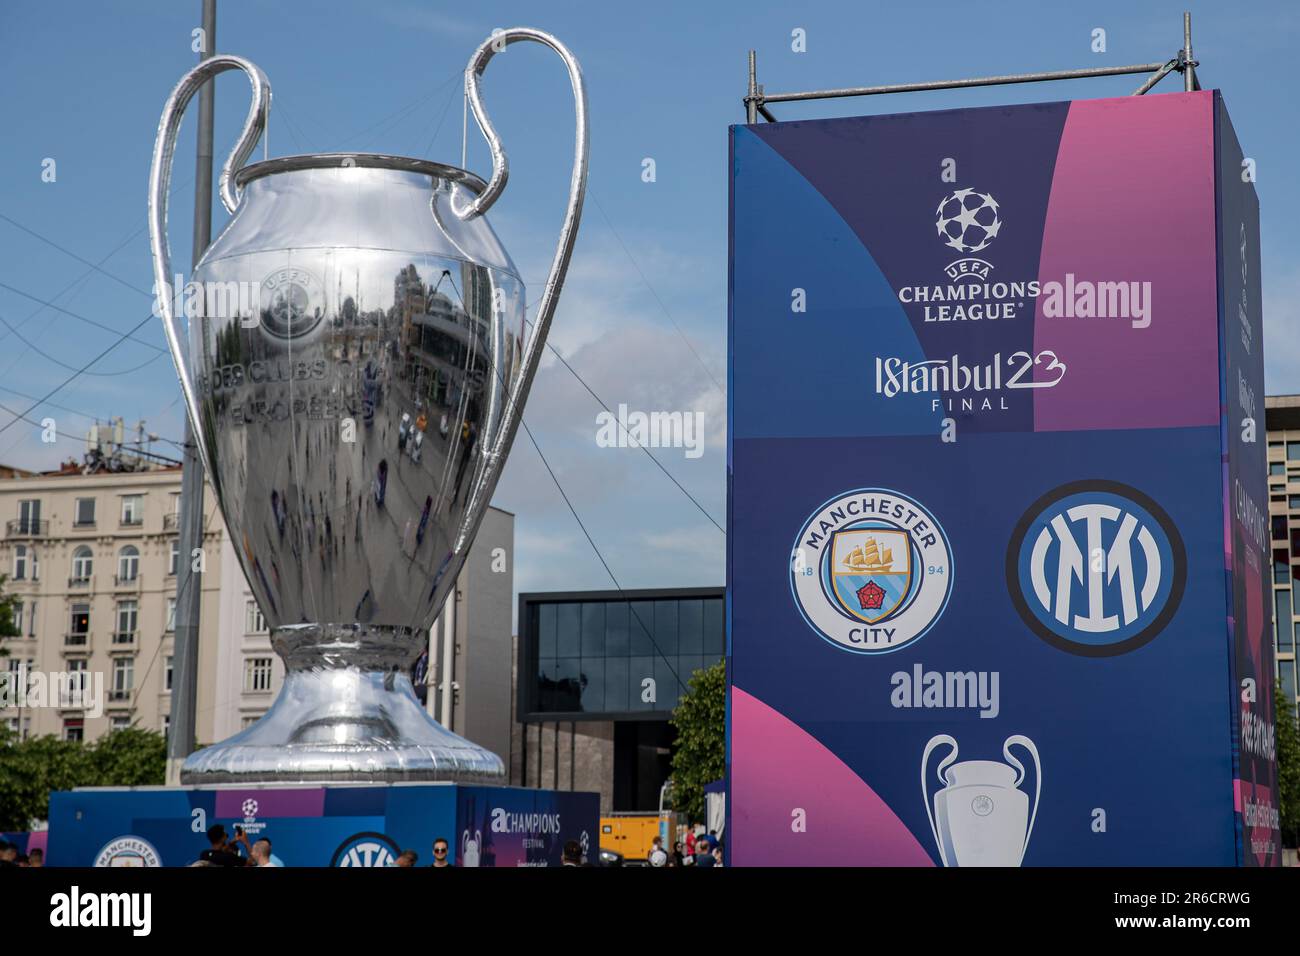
(871, 571)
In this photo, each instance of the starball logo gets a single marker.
(968, 221)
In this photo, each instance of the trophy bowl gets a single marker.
(355, 366)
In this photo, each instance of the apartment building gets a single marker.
(91, 560)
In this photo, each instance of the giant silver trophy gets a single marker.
(357, 367)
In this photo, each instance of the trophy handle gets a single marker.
(500, 173)
(160, 174)
(935, 741)
(1020, 776)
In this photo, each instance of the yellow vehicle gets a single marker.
(631, 834)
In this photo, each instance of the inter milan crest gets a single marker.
(871, 571)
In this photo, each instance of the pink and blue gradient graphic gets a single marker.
(1114, 159)
(781, 770)
(1093, 196)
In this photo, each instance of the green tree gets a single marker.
(7, 626)
(133, 757)
(1288, 766)
(700, 756)
(30, 769)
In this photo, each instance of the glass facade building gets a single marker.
(599, 674)
(610, 655)
(1283, 418)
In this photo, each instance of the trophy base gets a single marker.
(342, 724)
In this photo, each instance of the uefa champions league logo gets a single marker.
(968, 220)
(250, 809)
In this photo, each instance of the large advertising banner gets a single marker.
(1245, 502)
(367, 826)
(986, 467)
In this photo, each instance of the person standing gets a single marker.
(440, 853)
(261, 854)
(221, 852)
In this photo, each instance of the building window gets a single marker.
(128, 564)
(10, 680)
(31, 620)
(128, 613)
(20, 562)
(119, 723)
(254, 622)
(1279, 527)
(1282, 610)
(1277, 468)
(132, 509)
(29, 517)
(173, 557)
(257, 674)
(166, 725)
(123, 678)
(171, 615)
(167, 674)
(1293, 450)
(18, 617)
(248, 720)
(1286, 675)
(593, 656)
(79, 628)
(85, 514)
(83, 564)
(1281, 566)
(74, 729)
(77, 674)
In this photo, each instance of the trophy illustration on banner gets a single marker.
(352, 301)
(981, 817)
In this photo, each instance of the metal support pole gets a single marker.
(447, 698)
(756, 100)
(962, 84)
(751, 98)
(1156, 77)
(189, 582)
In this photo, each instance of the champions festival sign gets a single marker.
(333, 825)
(997, 555)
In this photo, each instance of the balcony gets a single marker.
(119, 695)
(80, 584)
(27, 528)
(131, 583)
(132, 521)
(124, 638)
(77, 639)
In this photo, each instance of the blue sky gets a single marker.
(643, 318)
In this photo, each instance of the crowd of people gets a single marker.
(224, 851)
(697, 849)
(11, 856)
